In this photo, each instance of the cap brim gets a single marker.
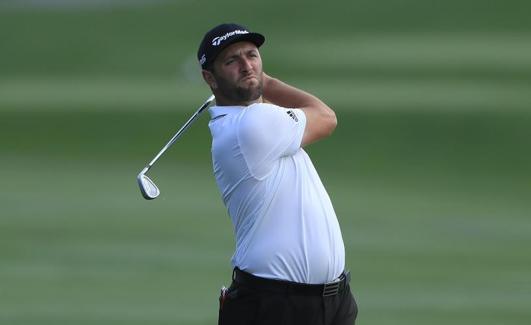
(255, 38)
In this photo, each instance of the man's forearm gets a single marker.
(282, 94)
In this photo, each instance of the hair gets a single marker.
(209, 67)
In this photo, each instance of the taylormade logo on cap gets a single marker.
(217, 40)
(219, 37)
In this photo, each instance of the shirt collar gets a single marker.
(216, 111)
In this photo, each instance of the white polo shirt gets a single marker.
(284, 222)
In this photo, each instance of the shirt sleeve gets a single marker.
(267, 133)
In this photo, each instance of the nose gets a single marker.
(246, 65)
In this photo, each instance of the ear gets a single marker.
(209, 79)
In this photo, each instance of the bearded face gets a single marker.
(236, 76)
(247, 89)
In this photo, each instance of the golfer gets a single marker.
(289, 262)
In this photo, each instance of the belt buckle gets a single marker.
(331, 289)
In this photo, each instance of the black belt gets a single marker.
(328, 289)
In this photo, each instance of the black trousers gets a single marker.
(246, 304)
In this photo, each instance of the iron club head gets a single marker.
(148, 188)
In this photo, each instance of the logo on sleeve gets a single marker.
(292, 115)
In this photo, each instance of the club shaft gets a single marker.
(180, 132)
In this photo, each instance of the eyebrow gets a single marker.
(238, 54)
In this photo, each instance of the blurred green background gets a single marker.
(429, 168)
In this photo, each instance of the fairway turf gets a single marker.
(428, 242)
(429, 168)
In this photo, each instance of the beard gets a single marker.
(240, 94)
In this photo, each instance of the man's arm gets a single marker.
(320, 119)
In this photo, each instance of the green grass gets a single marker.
(79, 245)
(429, 169)
(443, 240)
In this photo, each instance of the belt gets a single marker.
(328, 289)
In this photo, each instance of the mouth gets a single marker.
(249, 77)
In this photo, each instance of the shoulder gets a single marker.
(267, 116)
(262, 111)
(265, 125)
(255, 123)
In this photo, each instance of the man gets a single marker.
(289, 263)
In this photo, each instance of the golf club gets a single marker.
(148, 188)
